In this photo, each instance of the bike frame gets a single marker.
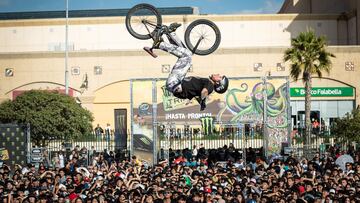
(172, 37)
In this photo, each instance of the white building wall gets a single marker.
(114, 36)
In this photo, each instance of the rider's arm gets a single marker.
(208, 87)
(204, 93)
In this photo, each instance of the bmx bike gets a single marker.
(202, 36)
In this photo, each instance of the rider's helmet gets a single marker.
(221, 86)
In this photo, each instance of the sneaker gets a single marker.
(174, 26)
(150, 51)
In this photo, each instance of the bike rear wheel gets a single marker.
(202, 37)
(142, 21)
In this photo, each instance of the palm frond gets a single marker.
(307, 55)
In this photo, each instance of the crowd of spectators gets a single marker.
(188, 176)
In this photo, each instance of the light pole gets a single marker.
(66, 49)
(265, 134)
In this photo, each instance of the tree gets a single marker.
(51, 115)
(308, 56)
(348, 127)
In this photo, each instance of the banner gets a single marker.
(242, 103)
(13, 144)
(4, 154)
(323, 92)
(142, 137)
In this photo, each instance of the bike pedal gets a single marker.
(149, 51)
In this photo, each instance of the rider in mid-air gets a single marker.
(189, 87)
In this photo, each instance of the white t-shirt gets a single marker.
(62, 161)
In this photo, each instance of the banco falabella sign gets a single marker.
(323, 92)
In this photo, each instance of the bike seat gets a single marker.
(174, 26)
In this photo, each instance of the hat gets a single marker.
(301, 189)
(62, 186)
(332, 191)
(253, 180)
(73, 196)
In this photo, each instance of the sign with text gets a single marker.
(323, 92)
(242, 103)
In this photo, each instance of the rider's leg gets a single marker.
(175, 50)
(181, 67)
(173, 83)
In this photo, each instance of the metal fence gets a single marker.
(172, 137)
(188, 136)
(86, 148)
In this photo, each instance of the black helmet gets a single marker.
(222, 86)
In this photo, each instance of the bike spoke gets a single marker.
(143, 24)
(143, 21)
(208, 35)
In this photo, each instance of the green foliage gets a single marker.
(348, 127)
(308, 56)
(51, 115)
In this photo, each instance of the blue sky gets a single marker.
(205, 6)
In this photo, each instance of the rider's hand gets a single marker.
(203, 104)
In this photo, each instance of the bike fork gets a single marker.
(197, 44)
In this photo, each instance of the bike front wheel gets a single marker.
(142, 21)
(202, 37)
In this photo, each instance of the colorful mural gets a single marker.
(246, 103)
(243, 103)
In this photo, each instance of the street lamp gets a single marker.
(66, 48)
(265, 134)
(265, 130)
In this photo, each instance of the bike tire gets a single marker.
(191, 44)
(142, 10)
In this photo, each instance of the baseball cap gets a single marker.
(301, 189)
(73, 196)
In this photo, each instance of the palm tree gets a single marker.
(308, 56)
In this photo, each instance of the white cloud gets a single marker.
(269, 6)
(272, 6)
(249, 11)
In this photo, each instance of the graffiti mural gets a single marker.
(246, 103)
(242, 104)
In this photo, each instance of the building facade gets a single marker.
(105, 56)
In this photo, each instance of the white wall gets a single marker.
(238, 33)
